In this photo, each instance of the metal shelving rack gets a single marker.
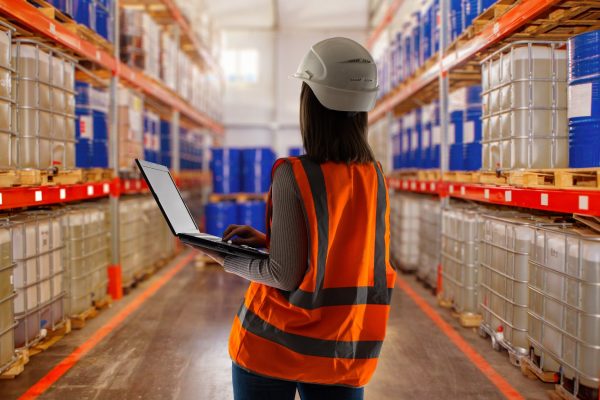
(25, 15)
(435, 80)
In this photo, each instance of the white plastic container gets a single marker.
(429, 239)
(38, 249)
(43, 89)
(564, 310)
(460, 258)
(131, 236)
(404, 221)
(86, 256)
(7, 295)
(6, 128)
(524, 100)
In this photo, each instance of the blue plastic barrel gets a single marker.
(103, 23)
(416, 43)
(256, 169)
(470, 11)
(165, 143)
(65, 6)
(456, 20)
(485, 4)
(226, 170)
(584, 100)
(252, 213)
(456, 122)
(219, 216)
(435, 27)
(456, 162)
(407, 51)
(100, 154)
(84, 153)
(472, 154)
(426, 32)
(83, 12)
(295, 151)
(435, 128)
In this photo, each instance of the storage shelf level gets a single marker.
(514, 19)
(563, 201)
(27, 15)
(18, 197)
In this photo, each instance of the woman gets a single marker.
(315, 314)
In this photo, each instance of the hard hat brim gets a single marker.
(342, 99)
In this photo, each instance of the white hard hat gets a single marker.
(341, 73)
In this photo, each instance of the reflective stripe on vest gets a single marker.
(330, 330)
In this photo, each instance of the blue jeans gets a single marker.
(248, 386)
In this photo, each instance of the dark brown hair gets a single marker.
(330, 135)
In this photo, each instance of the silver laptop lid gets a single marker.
(167, 196)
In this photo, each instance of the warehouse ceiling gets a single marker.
(289, 14)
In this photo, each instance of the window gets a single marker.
(240, 66)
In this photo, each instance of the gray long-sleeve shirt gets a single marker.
(288, 258)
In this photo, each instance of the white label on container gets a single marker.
(580, 100)
(38, 195)
(508, 196)
(451, 134)
(62, 194)
(425, 140)
(436, 135)
(90, 190)
(469, 132)
(486, 193)
(544, 199)
(414, 140)
(584, 203)
(106, 188)
(86, 127)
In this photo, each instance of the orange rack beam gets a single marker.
(29, 16)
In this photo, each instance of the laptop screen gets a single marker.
(169, 198)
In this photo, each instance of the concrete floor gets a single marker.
(175, 347)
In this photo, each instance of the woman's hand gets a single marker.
(246, 235)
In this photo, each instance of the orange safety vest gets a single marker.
(331, 328)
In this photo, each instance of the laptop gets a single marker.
(180, 219)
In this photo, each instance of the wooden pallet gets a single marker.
(462, 176)
(9, 178)
(469, 320)
(568, 178)
(33, 177)
(239, 197)
(80, 30)
(17, 366)
(444, 303)
(532, 371)
(78, 321)
(67, 177)
(103, 303)
(560, 393)
(493, 178)
(97, 174)
(52, 337)
(429, 175)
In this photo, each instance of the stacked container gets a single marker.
(104, 19)
(130, 239)
(91, 128)
(252, 213)
(44, 116)
(130, 129)
(6, 125)
(226, 170)
(584, 100)
(7, 296)
(165, 143)
(151, 45)
(151, 228)
(151, 136)
(132, 36)
(168, 55)
(86, 235)
(38, 251)
(219, 216)
(460, 263)
(405, 243)
(191, 149)
(564, 306)
(429, 240)
(465, 132)
(256, 169)
(524, 102)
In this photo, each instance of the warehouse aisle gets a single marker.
(175, 347)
